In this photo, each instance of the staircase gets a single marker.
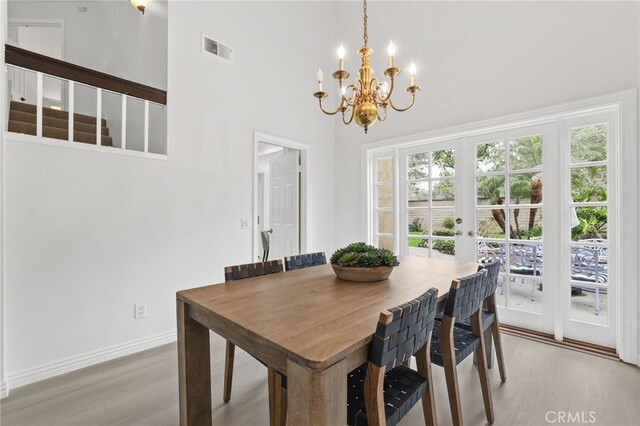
(55, 124)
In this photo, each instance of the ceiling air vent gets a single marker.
(216, 48)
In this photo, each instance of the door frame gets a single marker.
(303, 147)
(628, 298)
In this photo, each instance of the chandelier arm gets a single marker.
(340, 107)
(384, 117)
(413, 100)
(350, 101)
(391, 87)
(350, 118)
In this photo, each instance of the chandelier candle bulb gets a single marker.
(412, 71)
(392, 52)
(341, 57)
(319, 80)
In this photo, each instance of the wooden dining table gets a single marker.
(306, 324)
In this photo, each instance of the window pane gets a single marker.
(490, 157)
(385, 195)
(443, 222)
(385, 243)
(588, 143)
(418, 222)
(589, 184)
(385, 222)
(589, 304)
(500, 291)
(418, 193)
(443, 192)
(443, 249)
(589, 264)
(418, 166)
(443, 163)
(418, 247)
(490, 223)
(489, 251)
(525, 294)
(588, 223)
(525, 188)
(526, 153)
(490, 190)
(385, 170)
(526, 259)
(525, 224)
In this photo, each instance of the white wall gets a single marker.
(480, 60)
(89, 234)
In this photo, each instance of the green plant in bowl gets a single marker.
(363, 262)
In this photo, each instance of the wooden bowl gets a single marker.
(349, 273)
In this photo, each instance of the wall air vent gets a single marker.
(215, 48)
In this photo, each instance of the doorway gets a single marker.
(279, 213)
(540, 198)
(45, 37)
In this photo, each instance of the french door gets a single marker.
(541, 199)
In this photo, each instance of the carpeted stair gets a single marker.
(55, 124)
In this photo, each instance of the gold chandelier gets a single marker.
(368, 96)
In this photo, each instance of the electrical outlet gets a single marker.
(244, 223)
(139, 310)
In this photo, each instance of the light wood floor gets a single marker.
(141, 389)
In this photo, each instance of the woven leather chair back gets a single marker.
(409, 329)
(304, 261)
(250, 270)
(465, 296)
(493, 271)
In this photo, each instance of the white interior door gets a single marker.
(284, 193)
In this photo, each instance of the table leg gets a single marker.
(194, 370)
(317, 397)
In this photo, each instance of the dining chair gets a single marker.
(235, 273)
(383, 390)
(451, 344)
(490, 315)
(300, 261)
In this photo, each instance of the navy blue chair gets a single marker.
(451, 344)
(383, 390)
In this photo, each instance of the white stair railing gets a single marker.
(72, 109)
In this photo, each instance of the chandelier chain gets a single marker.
(364, 9)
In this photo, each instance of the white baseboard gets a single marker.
(45, 371)
(4, 390)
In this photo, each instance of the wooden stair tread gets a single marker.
(27, 117)
(64, 115)
(58, 133)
